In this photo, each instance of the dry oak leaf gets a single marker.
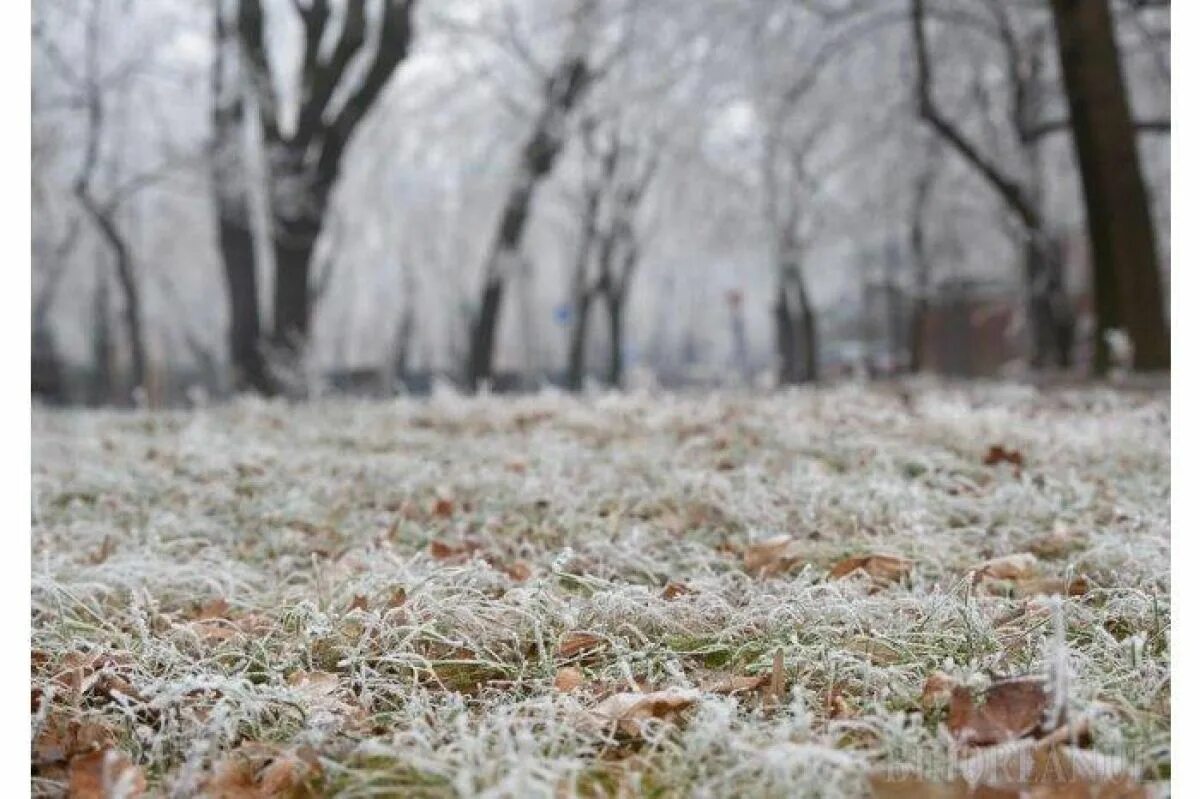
(567, 679)
(578, 642)
(674, 590)
(886, 568)
(1049, 586)
(258, 771)
(938, 687)
(60, 740)
(1020, 566)
(629, 712)
(774, 555)
(104, 774)
(997, 454)
(1012, 708)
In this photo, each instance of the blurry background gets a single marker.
(302, 196)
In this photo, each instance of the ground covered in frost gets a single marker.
(436, 598)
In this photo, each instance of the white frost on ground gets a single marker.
(290, 513)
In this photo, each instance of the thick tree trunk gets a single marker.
(294, 245)
(577, 347)
(1125, 262)
(616, 338)
(795, 332)
(241, 283)
(231, 198)
(483, 334)
(808, 331)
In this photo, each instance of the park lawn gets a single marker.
(442, 597)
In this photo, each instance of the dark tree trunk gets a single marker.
(306, 163)
(102, 347)
(483, 334)
(808, 331)
(1051, 320)
(231, 198)
(563, 91)
(795, 331)
(616, 338)
(576, 350)
(294, 245)
(1125, 265)
(241, 282)
(785, 340)
(920, 303)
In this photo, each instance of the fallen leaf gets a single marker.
(997, 454)
(567, 679)
(260, 771)
(59, 740)
(938, 687)
(443, 551)
(443, 508)
(1011, 709)
(885, 568)
(104, 774)
(629, 712)
(1049, 586)
(212, 609)
(518, 570)
(358, 603)
(739, 684)
(1009, 567)
(397, 599)
(1061, 541)
(674, 590)
(576, 643)
(773, 556)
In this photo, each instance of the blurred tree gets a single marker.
(338, 86)
(1125, 265)
(562, 90)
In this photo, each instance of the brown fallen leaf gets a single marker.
(1009, 567)
(59, 740)
(440, 550)
(579, 642)
(261, 771)
(773, 556)
(443, 508)
(997, 454)
(885, 568)
(938, 687)
(567, 679)
(1058, 543)
(519, 571)
(359, 602)
(674, 590)
(1050, 586)
(1011, 709)
(629, 713)
(217, 608)
(104, 774)
(397, 599)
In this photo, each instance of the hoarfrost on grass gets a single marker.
(307, 521)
